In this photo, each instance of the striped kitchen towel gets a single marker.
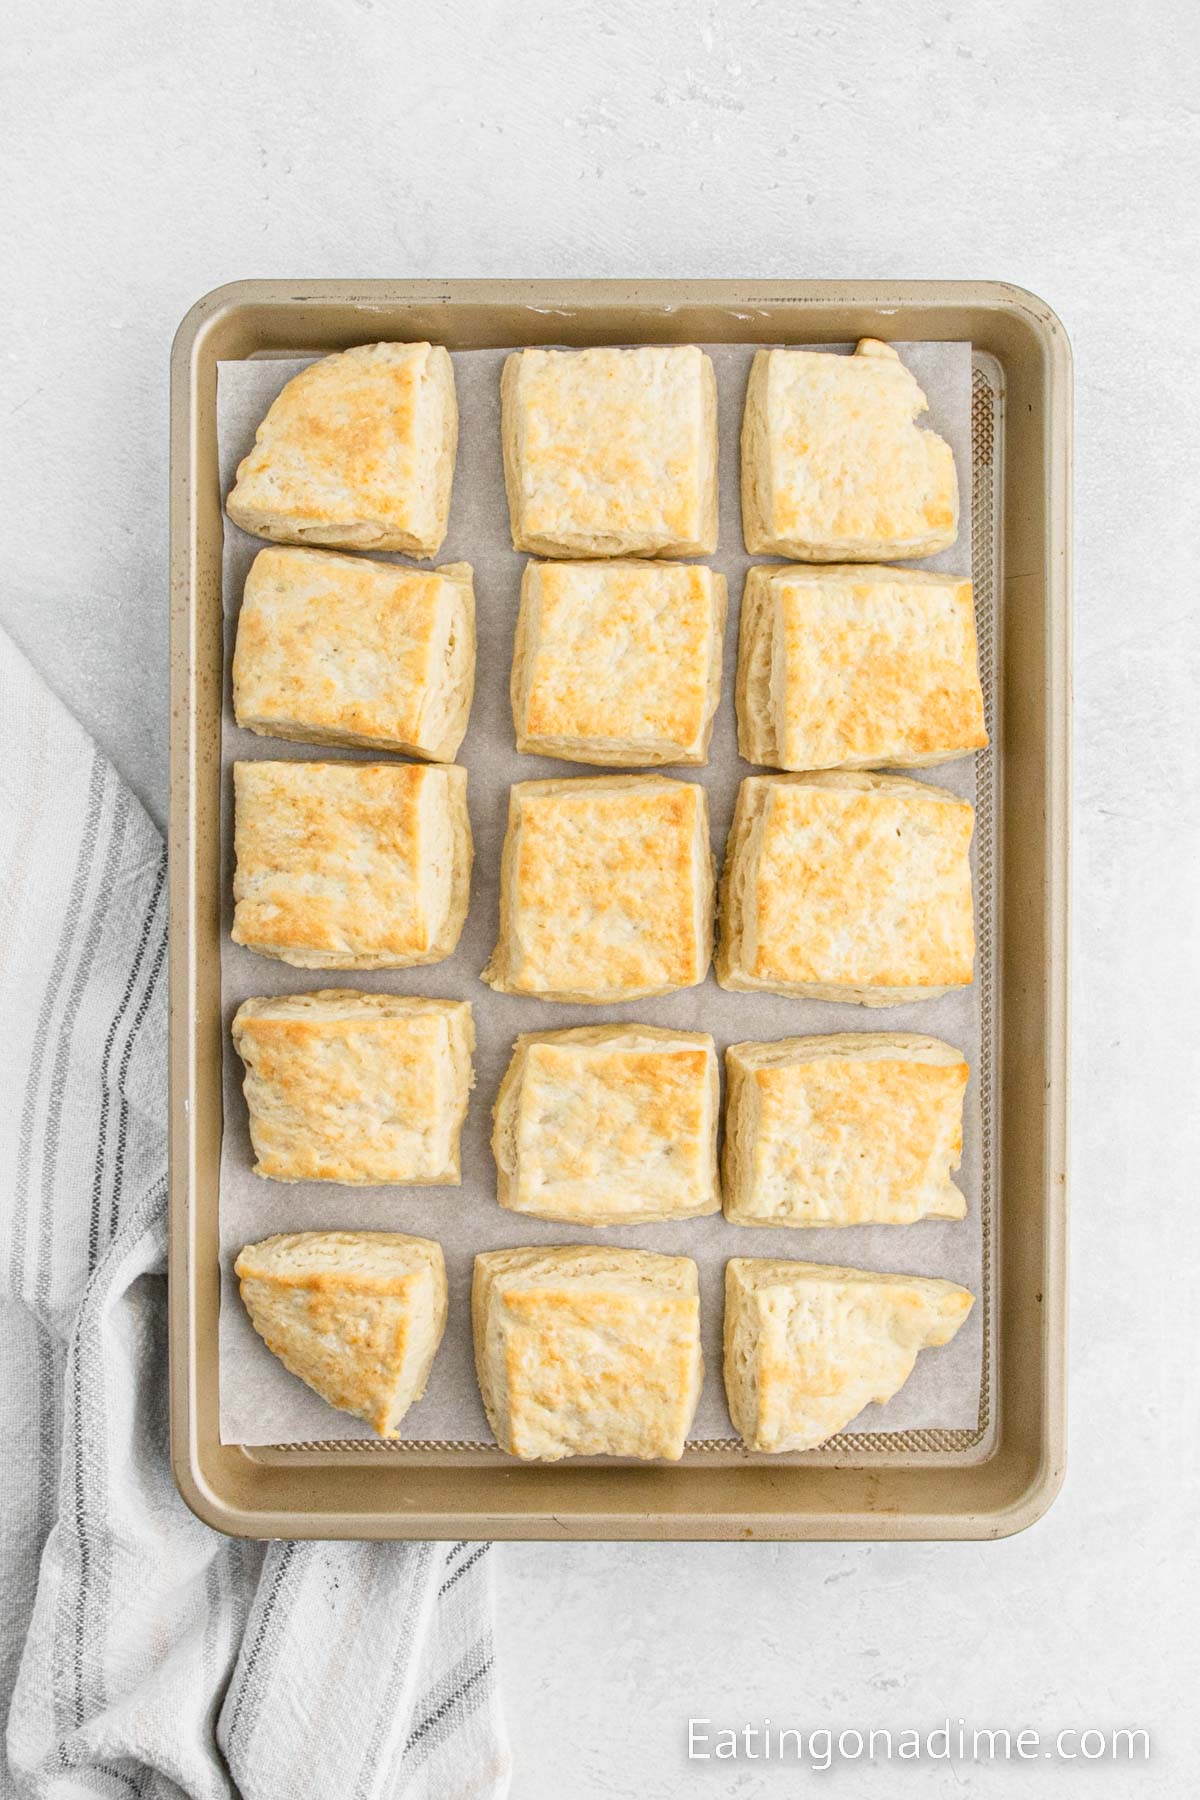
(141, 1653)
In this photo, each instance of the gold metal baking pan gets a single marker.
(937, 1484)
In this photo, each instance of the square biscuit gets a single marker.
(334, 649)
(847, 886)
(606, 889)
(854, 666)
(618, 662)
(834, 467)
(356, 451)
(350, 865)
(858, 1128)
(808, 1345)
(364, 1089)
(609, 1125)
(356, 1315)
(611, 452)
(583, 1351)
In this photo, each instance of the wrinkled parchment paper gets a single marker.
(260, 1402)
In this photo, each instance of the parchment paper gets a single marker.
(260, 1402)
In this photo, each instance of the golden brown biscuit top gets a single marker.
(886, 657)
(347, 437)
(879, 1124)
(574, 1356)
(329, 854)
(342, 1310)
(612, 440)
(606, 880)
(848, 461)
(866, 887)
(622, 651)
(598, 1115)
(831, 1339)
(349, 1341)
(339, 1098)
(338, 641)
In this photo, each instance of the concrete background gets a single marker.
(153, 152)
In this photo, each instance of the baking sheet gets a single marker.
(260, 1402)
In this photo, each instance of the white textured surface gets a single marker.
(153, 152)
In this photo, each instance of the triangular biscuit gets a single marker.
(808, 1345)
(356, 453)
(357, 1315)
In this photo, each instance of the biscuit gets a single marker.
(606, 889)
(609, 1125)
(862, 1128)
(356, 1315)
(334, 649)
(847, 886)
(618, 662)
(850, 667)
(359, 1088)
(349, 865)
(357, 451)
(808, 1345)
(583, 1351)
(611, 452)
(834, 469)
